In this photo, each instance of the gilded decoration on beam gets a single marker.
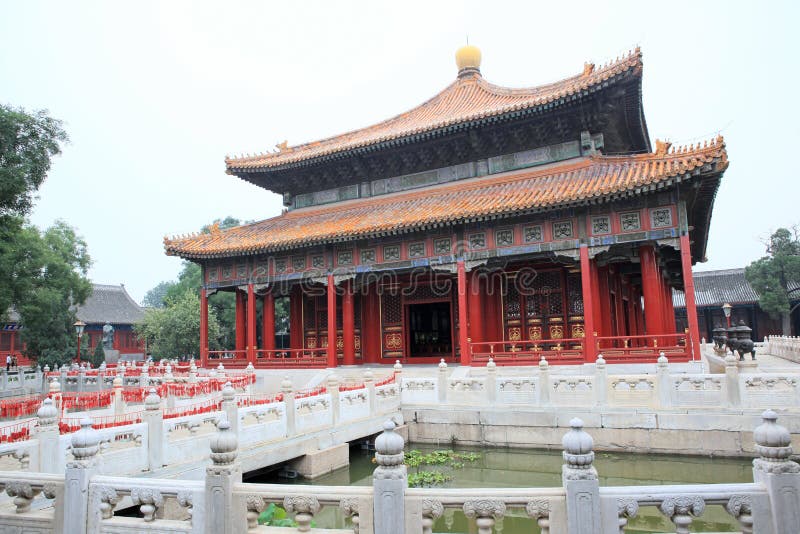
(578, 331)
(311, 343)
(535, 333)
(357, 343)
(514, 334)
(393, 341)
(556, 331)
(339, 343)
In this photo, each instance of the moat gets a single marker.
(515, 468)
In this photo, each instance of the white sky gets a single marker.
(155, 94)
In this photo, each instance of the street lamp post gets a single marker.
(726, 309)
(79, 326)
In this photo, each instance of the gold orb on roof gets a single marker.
(468, 57)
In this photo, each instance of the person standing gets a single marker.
(8, 363)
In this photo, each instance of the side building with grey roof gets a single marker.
(712, 289)
(113, 304)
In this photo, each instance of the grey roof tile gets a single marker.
(110, 303)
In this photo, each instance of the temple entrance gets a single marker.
(430, 330)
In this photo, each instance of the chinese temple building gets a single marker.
(486, 222)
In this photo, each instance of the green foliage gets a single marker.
(774, 274)
(174, 331)
(56, 263)
(28, 141)
(275, 516)
(98, 356)
(155, 298)
(443, 459)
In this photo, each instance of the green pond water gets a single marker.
(532, 468)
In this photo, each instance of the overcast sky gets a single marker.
(155, 94)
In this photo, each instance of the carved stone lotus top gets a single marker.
(368, 375)
(332, 380)
(543, 364)
(55, 387)
(228, 393)
(577, 441)
(224, 445)
(398, 366)
(286, 385)
(491, 366)
(770, 433)
(389, 442)
(86, 441)
(47, 413)
(442, 364)
(152, 401)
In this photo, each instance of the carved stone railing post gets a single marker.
(732, 393)
(491, 381)
(23, 494)
(255, 505)
(626, 508)
(389, 482)
(186, 500)
(580, 481)
(47, 434)
(680, 509)
(663, 381)
(153, 416)
(777, 473)
(332, 384)
(85, 443)
(108, 499)
(192, 371)
(539, 509)
(230, 407)
(119, 400)
(431, 511)
(304, 508)
(288, 401)
(149, 501)
(485, 512)
(741, 507)
(398, 371)
(369, 381)
(223, 473)
(544, 382)
(600, 382)
(54, 391)
(442, 382)
(349, 508)
(81, 379)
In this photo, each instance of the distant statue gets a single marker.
(108, 336)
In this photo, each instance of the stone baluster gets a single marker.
(491, 381)
(289, 405)
(119, 399)
(85, 443)
(539, 509)
(332, 384)
(255, 505)
(544, 382)
(389, 482)
(23, 494)
(304, 508)
(579, 478)
(186, 500)
(626, 508)
(223, 474)
(144, 377)
(680, 509)
(663, 381)
(398, 371)
(777, 473)
(47, 435)
(192, 371)
(733, 397)
(81, 378)
(600, 381)
(485, 512)
(369, 382)
(149, 501)
(55, 393)
(153, 416)
(108, 499)
(442, 382)
(431, 511)
(349, 508)
(230, 407)
(741, 507)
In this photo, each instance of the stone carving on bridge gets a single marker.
(186, 500)
(539, 509)
(485, 512)
(108, 500)
(149, 500)
(741, 507)
(680, 509)
(304, 507)
(431, 511)
(349, 508)
(49, 490)
(23, 494)
(411, 384)
(255, 505)
(626, 508)
(466, 384)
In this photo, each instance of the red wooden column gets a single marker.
(463, 329)
(595, 282)
(331, 322)
(688, 289)
(589, 348)
(605, 302)
(251, 324)
(669, 311)
(651, 289)
(348, 326)
(241, 341)
(475, 302)
(370, 325)
(268, 321)
(203, 327)
(296, 317)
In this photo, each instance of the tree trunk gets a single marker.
(786, 323)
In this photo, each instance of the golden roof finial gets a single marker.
(468, 59)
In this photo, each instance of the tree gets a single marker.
(174, 331)
(98, 356)
(55, 265)
(776, 277)
(155, 297)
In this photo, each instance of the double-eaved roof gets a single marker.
(574, 182)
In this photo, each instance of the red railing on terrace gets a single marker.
(17, 431)
(228, 356)
(283, 358)
(646, 347)
(20, 406)
(568, 350)
(67, 425)
(211, 405)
